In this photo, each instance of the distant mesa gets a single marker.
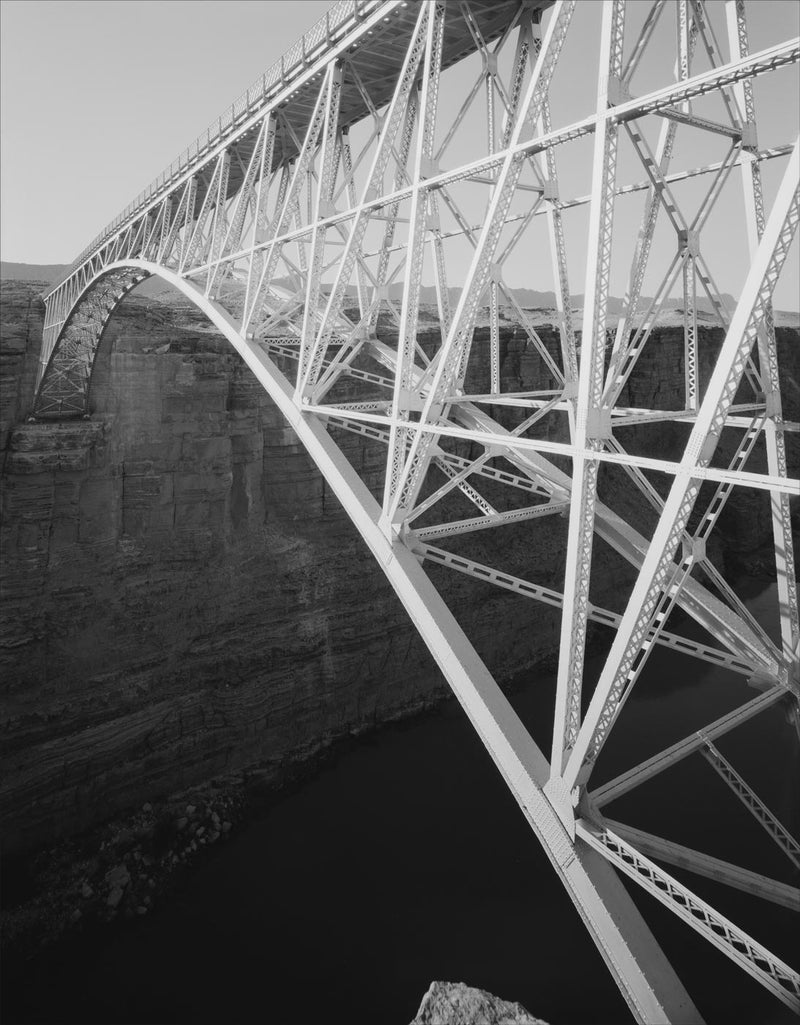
(527, 298)
(47, 272)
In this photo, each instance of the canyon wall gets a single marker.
(182, 594)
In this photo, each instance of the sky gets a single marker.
(98, 97)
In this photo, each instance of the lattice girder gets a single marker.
(307, 225)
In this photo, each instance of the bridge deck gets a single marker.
(375, 45)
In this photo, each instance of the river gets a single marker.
(405, 859)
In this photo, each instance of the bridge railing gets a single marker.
(330, 28)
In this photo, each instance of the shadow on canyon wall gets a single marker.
(183, 596)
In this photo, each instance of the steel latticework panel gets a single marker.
(404, 143)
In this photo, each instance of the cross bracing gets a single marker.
(413, 150)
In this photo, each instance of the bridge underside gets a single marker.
(353, 235)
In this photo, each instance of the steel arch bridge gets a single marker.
(362, 164)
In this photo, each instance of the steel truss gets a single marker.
(306, 225)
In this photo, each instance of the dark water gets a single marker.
(406, 860)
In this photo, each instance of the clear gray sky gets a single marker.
(98, 96)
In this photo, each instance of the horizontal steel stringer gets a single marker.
(449, 463)
(773, 973)
(639, 774)
(644, 975)
(705, 865)
(507, 581)
(695, 599)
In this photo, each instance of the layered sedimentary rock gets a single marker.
(183, 596)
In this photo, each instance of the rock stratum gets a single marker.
(183, 597)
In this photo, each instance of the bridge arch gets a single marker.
(608, 911)
(66, 371)
(70, 363)
(276, 194)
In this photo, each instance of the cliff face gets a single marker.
(182, 594)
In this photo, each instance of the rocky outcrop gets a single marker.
(182, 595)
(454, 1003)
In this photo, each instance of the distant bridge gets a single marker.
(400, 140)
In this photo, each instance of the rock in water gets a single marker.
(454, 1003)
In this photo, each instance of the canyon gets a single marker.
(184, 598)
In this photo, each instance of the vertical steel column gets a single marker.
(558, 247)
(397, 111)
(688, 269)
(768, 353)
(324, 199)
(455, 351)
(284, 214)
(627, 652)
(347, 171)
(593, 420)
(407, 340)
